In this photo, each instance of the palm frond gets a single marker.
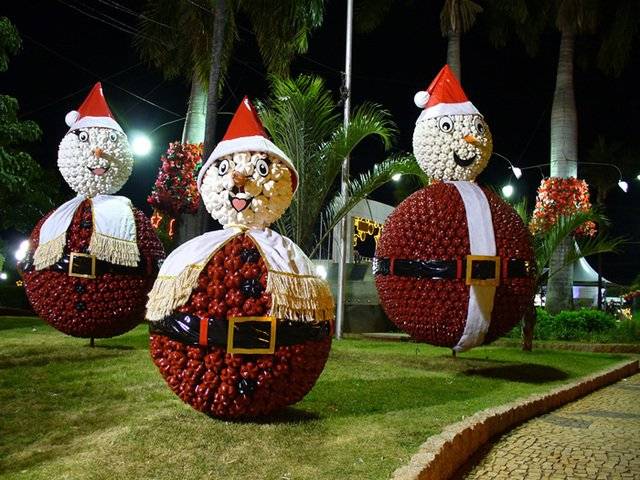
(601, 243)
(369, 14)
(458, 16)
(369, 119)
(577, 16)
(302, 119)
(282, 29)
(361, 187)
(546, 244)
(617, 45)
(175, 38)
(522, 209)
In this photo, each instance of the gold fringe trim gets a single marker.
(169, 293)
(49, 253)
(300, 297)
(114, 250)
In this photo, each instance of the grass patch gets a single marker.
(70, 411)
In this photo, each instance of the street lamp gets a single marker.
(22, 250)
(321, 270)
(517, 172)
(140, 144)
(624, 186)
(3, 275)
(396, 177)
(507, 191)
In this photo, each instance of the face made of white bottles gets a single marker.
(95, 160)
(251, 189)
(452, 147)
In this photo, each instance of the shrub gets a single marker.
(581, 324)
(13, 297)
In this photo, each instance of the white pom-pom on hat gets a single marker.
(71, 117)
(421, 98)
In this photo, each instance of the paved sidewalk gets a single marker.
(596, 437)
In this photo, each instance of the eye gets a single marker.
(263, 167)
(83, 136)
(223, 167)
(445, 124)
(480, 127)
(113, 136)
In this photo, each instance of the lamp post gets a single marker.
(344, 226)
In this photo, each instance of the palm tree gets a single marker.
(546, 245)
(457, 17)
(303, 119)
(572, 18)
(362, 186)
(197, 43)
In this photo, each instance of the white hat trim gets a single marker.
(463, 108)
(88, 121)
(255, 143)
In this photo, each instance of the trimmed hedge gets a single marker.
(585, 324)
(573, 325)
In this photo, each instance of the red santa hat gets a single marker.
(444, 97)
(94, 112)
(246, 134)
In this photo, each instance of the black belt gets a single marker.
(249, 334)
(476, 269)
(88, 266)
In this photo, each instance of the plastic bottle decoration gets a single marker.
(240, 324)
(92, 261)
(454, 262)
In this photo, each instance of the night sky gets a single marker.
(65, 52)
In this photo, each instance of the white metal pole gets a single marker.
(345, 231)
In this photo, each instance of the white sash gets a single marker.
(482, 242)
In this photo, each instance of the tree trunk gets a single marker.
(219, 27)
(217, 44)
(560, 283)
(453, 53)
(194, 123)
(564, 163)
(528, 327)
(191, 225)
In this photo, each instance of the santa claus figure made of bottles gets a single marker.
(240, 324)
(92, 261)
(454, 262)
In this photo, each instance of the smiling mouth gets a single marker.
(98, 171)
(238, 203)
(463, 162)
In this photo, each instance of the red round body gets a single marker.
(431, 225)
(227, 385)
(101, 307)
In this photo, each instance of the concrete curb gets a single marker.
(442, 455)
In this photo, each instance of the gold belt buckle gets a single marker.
(82, 265)
(494, 282)
(271, 323)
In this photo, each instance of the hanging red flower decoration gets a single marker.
(561, 196)
(175, 190)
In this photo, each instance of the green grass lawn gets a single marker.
(70, 411)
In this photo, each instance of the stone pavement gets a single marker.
(596, 437)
